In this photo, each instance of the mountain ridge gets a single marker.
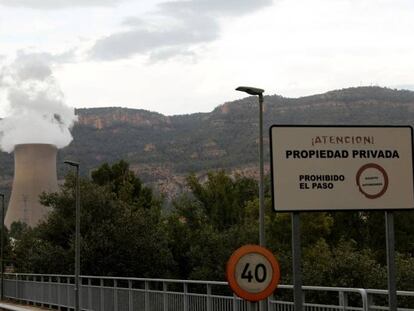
(163, 149)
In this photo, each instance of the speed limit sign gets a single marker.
(253, 272)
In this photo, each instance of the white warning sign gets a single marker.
(318, 168)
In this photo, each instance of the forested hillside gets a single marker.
(162, 150)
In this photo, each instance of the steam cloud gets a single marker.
(36, 109)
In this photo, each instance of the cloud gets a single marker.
(57, 4)
(134, 22)
(46, 57)
(167, 53)
(37, 110)
(175, 28)
(33, 66)
(220, 7)
(140, 40)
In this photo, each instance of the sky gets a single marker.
(186, 56)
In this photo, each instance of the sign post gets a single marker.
(390, 236)
(320, 168)
(253, 273)
(297, 260)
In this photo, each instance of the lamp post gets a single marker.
(259, 92)
(77, 234)
(262, 241)
(2, 246)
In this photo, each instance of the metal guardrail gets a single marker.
(7, 306)
(127, 294)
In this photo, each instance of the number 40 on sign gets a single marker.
(253, 272)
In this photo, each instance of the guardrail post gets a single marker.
(164, 296)
(234, 302)
(43, 287)
(24, 293)
(209, 297)
(58, 292)
(102, 301)
(50, 291)
(146, 296)
(68, 291)
(185, 300)
(79, 293)
(370, 301)
(253, 306)
(130, 297)
(17, 288)
(343, 300)
(365, 300)
(115, 295)
(268, 300)
(89, 294)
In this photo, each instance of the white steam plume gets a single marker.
(35, 104)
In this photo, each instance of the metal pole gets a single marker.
(390, 236)
(2, 247)
(262, 240)
(253, 306)
(296, 257)
(77, 241)
(259, 92)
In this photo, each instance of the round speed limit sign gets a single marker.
(253, 272)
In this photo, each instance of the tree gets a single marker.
(121, 229)
(342, 266)
(223, 198)
(125, 232)
(209, 223)
(123, 183)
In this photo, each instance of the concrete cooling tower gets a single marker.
(34, 173)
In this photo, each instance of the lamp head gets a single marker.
(72, 163)
(250, 90)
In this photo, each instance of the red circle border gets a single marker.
(384, 174)
(231, 267)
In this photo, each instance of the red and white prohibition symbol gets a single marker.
(372, 180)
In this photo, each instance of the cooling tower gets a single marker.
(34, 173)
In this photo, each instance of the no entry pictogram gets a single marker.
(372, 180)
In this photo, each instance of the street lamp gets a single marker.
(77, 234)
(2, 246)
(259, 92)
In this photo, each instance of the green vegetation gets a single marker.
(126, 232)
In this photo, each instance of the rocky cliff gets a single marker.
(164, 149)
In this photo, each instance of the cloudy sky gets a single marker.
(187, 56)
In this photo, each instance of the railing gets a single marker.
(127, 294)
